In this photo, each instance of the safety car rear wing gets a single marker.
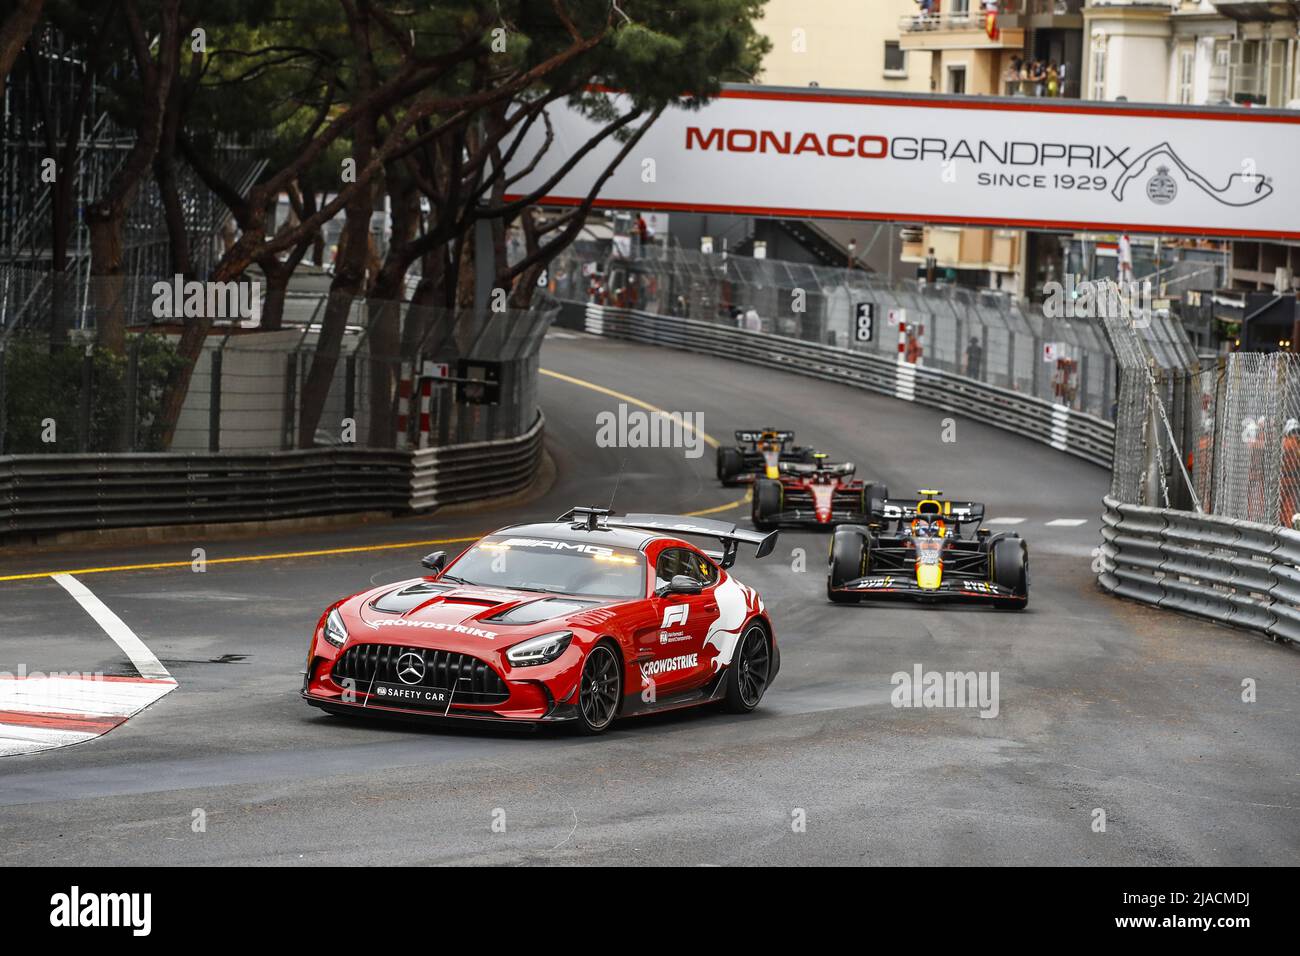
(726, 532)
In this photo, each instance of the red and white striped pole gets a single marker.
(426, 409)
(404, 407)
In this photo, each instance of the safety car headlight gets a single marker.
(335, 631)
(539, 650)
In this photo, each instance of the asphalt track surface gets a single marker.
(1104, 704)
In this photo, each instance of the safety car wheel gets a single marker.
(750, 670)
(600, 689)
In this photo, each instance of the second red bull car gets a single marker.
(580, 620)
(758, 453)
(928, 549)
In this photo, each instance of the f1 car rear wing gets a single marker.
(840, 468)
(905, 509)
(727, 532)
(752, 436)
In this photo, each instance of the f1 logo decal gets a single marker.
(675, 615)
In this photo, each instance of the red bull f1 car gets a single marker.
(758, 453)
(928, 549)
(580, 620)
(814, 493)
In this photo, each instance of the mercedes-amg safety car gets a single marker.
(758, 453)
(814, 493)
(583, 619)
(928, 549)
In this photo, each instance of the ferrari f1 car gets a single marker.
(580, 620)
(928, 549)
(818, 492)
(758, 453)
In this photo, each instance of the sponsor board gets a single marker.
(929, 158)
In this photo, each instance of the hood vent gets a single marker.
(401, 600)
(543, 610)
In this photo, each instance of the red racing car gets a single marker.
(814, 493)
(581, 620)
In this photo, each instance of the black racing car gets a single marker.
(759, 453)
(928, 549)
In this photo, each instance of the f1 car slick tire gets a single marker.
(767, 503)
(850, 560)
(750, 670)
(600, 689)
(730, 464)
(874, 494)
(1009, 562)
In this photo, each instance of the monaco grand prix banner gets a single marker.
(1005, 162)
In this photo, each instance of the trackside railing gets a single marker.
(47, 494)
(1236, 572)
(1059, 426)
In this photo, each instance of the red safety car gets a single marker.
(583, 619)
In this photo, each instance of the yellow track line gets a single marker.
(284, 555)
(671, 416)
(359, 549)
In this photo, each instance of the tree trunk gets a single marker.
(15, 30)
(106, 246)
(347, 286)
(277, 288)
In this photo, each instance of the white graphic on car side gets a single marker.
(736, 604)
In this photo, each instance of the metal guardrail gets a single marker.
(1061, 427)
(45, 494)
(459, 473)
(1238, 573)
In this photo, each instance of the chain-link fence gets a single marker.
(397, 376)
(1253, 438)
(1223, 440)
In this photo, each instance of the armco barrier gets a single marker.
(1061, 427)
(458, 473)
(1235, 572)
(45, 494)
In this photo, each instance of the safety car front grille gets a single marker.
(473, 680)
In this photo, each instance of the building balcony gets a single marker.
(1041, 14)
(1259, 11)
(964, 30)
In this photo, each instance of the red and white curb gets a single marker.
(44, 712)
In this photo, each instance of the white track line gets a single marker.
(134, 648)
(1005, 521)
(1066, 522)
(49, 711)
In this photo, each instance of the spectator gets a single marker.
(1061, 72)
(1039, 75)
(931, 262)
(974, 358)
(641, 229)
(1053, 80)
(1290, 479)
(1011, 76)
